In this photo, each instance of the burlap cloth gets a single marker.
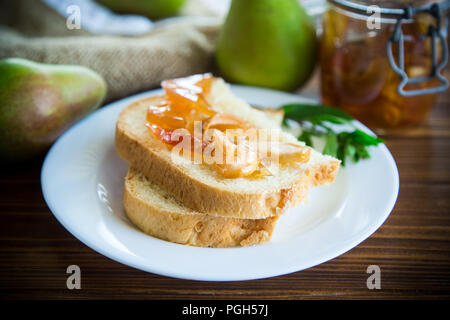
(30, 29)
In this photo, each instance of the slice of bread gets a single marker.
(158, 214)
(200, 186)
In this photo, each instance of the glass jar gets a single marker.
(383, 63)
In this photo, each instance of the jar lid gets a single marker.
(404, 9)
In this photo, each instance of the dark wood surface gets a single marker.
(412, 248)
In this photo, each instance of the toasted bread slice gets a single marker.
(201, 187)
(158, 214)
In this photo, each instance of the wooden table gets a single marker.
(412, 248)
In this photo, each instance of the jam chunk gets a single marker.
(185, 106)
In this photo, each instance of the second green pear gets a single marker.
(269, 43)
(154, 9)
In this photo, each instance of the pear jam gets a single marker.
(185, 105)
(356, 74)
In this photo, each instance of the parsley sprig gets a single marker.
(319, 121)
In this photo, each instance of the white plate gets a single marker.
(82, 182)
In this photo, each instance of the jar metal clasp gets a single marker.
(434, 32)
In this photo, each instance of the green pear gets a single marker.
(269, 43)
(38, 102)
(154, 9)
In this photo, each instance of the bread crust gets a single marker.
(142, 153)
(190, 227)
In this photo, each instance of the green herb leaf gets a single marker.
(306, 137)
(360, 137)
(351, 152)
(343, 145)
(354, 145)
(331, 145)
(307, 112)
(318, 119)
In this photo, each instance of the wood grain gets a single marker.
(412, 247)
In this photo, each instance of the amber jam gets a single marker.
(357, 77)
(185, 105)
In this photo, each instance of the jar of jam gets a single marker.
(382, 61)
